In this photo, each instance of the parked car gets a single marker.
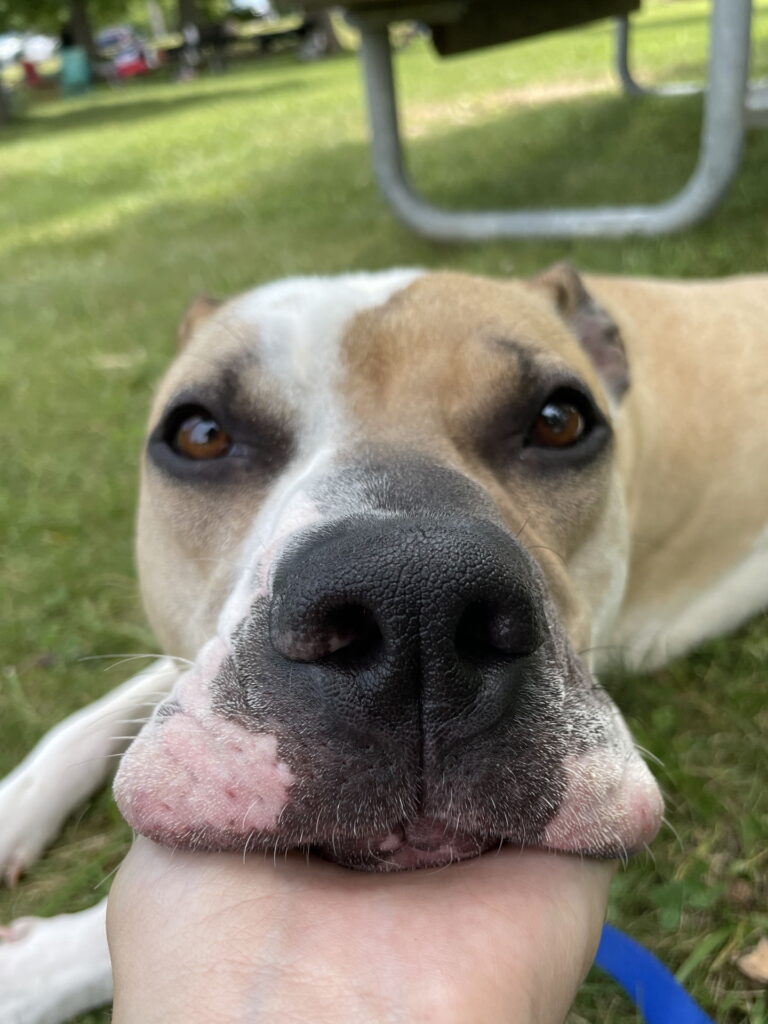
(125, 51)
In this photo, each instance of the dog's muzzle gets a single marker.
(402, 696)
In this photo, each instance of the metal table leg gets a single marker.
(719, 155)
(629, 83)
(757, 105)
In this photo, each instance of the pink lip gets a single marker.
(426, 842)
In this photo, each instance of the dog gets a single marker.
(395, 522)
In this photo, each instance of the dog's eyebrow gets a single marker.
(238, 394)
(231, 384)
(535, 370)
(511, 346)
(528, 369)
(524, 355)
(235, 386)
(521, 390)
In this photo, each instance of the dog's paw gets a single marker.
(30, 817)
(52, 968)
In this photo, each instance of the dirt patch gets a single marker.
(420, 118)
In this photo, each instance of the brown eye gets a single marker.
(558, 425)
(199, 436)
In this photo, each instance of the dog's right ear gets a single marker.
(592, 325)
(196, 312)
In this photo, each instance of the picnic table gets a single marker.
(730, 105)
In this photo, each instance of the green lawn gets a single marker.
(120, 206)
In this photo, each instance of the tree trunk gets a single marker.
(156, 18)
(331, 40)
(80, 27)
(6, 113)
(321, 39)
(189, 13)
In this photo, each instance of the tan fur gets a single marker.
(186, 543)
(428, 368)
(692, 453)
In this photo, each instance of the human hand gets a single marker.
(507, 937)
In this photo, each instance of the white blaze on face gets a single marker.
(291, 511)
(299, 324)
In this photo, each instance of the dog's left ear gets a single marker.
(589, 322)
(197, 311)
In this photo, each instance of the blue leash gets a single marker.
(658, 996)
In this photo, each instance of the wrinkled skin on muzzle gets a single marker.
(396, 690)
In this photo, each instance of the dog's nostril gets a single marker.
(484, 631)
(353, 633)
(342, 634)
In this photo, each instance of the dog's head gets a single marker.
(383, 515)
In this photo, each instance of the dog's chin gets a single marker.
(425, 843)
(204, 782)
(433, 845)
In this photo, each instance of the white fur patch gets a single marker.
(611, 803)
(55, 967)
(70, 763)
(300, 322)
(287, 511)
(197, 773)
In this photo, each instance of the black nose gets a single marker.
(388, 611)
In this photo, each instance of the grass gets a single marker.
(121, 205)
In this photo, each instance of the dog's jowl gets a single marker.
(373, 511)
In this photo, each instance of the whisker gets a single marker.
(520, 532)
(650, 853)
(249, 837)
(129, 706)
(649, 755)
(248, 810)
(141, 657)
(107, 715)
(109, 875)
(91, 760)
(602, 647)
(665, 821)
(543, 547)
(128, 656)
